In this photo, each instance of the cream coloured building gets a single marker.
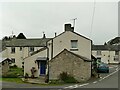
(18, 49)
(69, 40)
(108, 54)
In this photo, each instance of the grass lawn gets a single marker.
(17, 80)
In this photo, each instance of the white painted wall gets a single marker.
(18, 55)
(105, 56)
(64, 42)
(29, 62)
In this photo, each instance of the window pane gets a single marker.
(116, 52)
(98, 52)
(20, 48)
(74, 43)
(12, 49)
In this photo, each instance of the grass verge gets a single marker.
(17, 80)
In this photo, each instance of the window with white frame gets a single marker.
(98, 52)
(74, 44)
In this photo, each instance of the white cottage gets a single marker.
(68, 40)
(107, 53)
(17, 49)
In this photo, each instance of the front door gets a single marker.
(42, 67)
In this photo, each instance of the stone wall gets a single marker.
(70, 63)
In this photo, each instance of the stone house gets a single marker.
(69, 40)
(75, 65)
(107, 53)
(4, 66)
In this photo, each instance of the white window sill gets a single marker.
(74, 49)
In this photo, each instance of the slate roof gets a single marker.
(41, 59)
(99, 47)
(106, 47)
(25, 42)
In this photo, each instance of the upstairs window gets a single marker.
(116, 52)
(98, 52)
(12, 49)
(20, 48)
(31, 49)
(74, 43)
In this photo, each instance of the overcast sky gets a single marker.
(34, 18)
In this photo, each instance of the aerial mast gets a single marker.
(74, 22)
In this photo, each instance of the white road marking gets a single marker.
(83, 84)
(76, 86)
(69, 87)
(100, 77)
(95, 81)
(116, 69)
(108, 75)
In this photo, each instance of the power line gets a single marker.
(92, 18)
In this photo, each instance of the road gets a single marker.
(106, 81)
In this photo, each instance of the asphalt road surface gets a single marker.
(106, 80)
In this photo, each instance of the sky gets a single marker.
(34, 17)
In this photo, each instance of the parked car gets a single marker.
(103, 67)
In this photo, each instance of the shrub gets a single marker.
(10, 75)
(14, 72)
(14, 66)
(67, 78)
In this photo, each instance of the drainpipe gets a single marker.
(52, 49)
(47, 80)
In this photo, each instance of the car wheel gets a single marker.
(107, 71)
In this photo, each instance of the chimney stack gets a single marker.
(44, 35)
(55, 34)
(69, 28)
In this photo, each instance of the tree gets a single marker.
(21, 36)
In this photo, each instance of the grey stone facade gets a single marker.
(77, 66)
